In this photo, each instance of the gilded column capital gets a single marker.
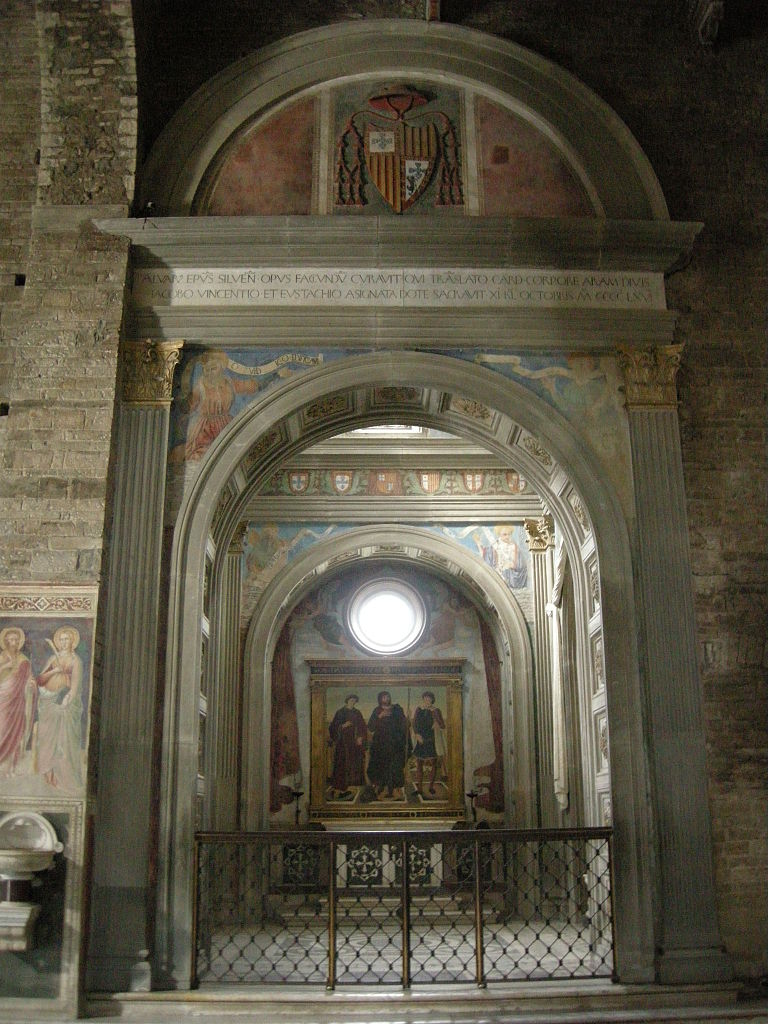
(236, 540)
(540, 533)
(650, 376)
(148, 371)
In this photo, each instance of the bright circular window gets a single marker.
(386, 616)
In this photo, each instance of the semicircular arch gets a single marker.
(441, 557)
(277, 413)
(596, 144)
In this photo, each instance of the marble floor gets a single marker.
(369, 951)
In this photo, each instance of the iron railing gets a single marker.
(476, 906)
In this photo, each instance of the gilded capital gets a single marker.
(236, 540)
(148, 371)
(650, 376)
(540, 533)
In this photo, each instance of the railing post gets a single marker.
(479, 961)
(614, 958)
(331, 982)
(195, 912)
(406, 908)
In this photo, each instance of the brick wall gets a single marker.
(72, 89)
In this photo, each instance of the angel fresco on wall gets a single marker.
(60, 710)
(213, 389)
(210, 401)
(501, 551)
(42, 715)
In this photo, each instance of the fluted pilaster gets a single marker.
(123, 827)
(540, 537)
(689, 944)
(223, 704)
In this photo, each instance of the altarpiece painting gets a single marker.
(387, 740)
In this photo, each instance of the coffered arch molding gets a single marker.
(598, 146)
(389, 544)
(632, 818)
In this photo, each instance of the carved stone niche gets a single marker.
(28, 844)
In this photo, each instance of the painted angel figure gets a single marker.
(503, 554)
(60, 710)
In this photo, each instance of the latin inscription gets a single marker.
(411, 288)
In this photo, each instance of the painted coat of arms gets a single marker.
(400, 148)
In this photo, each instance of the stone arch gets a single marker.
(442, 557)
(598, 146)
(516, 405)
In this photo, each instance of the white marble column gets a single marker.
(224, 690)
(688, 943)
(121, 899)
(540, 536)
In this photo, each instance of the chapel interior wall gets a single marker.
(696, 113)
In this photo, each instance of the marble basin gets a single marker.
(28, 843)
(22, 864)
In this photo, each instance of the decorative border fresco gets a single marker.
(386, 482)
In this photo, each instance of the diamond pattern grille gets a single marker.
(338, 909)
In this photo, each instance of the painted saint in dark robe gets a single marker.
(388, 728)
(347, 736)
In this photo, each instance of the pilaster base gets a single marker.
(118, 958)
(693, 966)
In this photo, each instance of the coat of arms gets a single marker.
(386, 482)
(341, 482)
(474, 482)
(399, 148)
(298, 482)
(429, 481)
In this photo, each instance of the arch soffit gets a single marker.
(594, 140)
(411, 545)
(570, 463)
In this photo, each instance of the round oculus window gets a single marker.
(386, 616)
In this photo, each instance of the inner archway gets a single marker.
(497, 432)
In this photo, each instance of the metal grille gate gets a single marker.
(313, 907)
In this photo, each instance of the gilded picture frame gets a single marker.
(386, 740)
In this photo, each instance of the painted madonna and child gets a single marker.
(41, 713)
(396, 755)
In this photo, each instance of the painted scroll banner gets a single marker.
(397, 287)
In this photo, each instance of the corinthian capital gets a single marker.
(650, 376)
(540, 533)
(148, 371)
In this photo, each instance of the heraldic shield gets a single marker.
(399, 146)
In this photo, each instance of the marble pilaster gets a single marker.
(688, 944)
(119, 948)
(224, 690)
(540, 537)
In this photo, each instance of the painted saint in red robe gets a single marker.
(18, 694)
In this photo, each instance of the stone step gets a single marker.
(531, 1003)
